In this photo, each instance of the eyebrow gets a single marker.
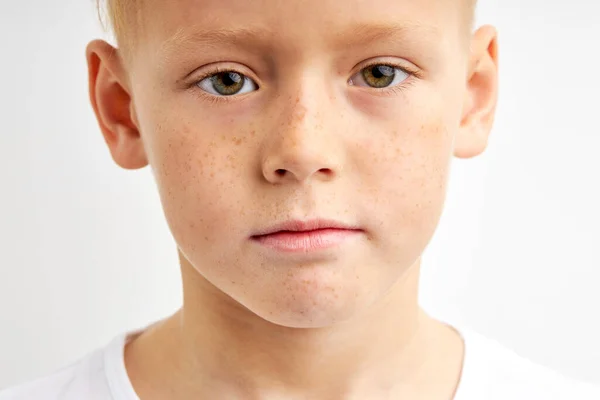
(361, 34)
(365, 34)
(215, 37)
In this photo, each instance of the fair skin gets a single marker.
(306, 137)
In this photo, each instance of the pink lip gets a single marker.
(305, 236)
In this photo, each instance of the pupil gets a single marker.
(381, 71)
(231, 78)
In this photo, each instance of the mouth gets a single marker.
(306, 236)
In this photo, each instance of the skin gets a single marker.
(344, 323)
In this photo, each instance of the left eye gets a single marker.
(227, 83)
(379, 76)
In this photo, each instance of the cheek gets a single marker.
(196, 171)
(406, 175)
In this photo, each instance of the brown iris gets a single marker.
(227, 83)
(379, 76)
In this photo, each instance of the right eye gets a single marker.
(380, 76)
(227, 83)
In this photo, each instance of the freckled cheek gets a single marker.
(198, 176)
(407, 169)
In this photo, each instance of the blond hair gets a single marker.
(125, 13)
(115, 10)
(119, 16)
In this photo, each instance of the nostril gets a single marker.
(282, 173)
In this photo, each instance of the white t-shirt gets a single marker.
(490, 372)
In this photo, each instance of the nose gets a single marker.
(304, 143)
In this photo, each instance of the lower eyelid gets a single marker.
(394, 90)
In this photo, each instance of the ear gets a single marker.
(481, 95)
(112, 103)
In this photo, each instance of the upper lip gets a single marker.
(305, 225)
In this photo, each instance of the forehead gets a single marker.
(287, 22)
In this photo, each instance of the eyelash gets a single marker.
(401, 87)
(412, 73)
(210, 97)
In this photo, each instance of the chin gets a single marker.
(305, 311)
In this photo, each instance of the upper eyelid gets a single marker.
(242, 71)
(411, 70)
(246, 71)
(197, 77)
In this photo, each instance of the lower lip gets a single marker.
(305, 241)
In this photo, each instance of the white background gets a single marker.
(85, 252)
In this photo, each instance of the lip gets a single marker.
(305, 236)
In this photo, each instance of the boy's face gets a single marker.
(347, 111)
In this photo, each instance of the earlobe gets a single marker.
(481, 95)
(112, 104)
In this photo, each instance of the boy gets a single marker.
(301, 150)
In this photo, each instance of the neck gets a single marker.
(215, 344)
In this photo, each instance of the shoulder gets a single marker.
(493, 371)
(84, 379)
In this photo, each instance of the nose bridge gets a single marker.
(304, 109)
(301, 141)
